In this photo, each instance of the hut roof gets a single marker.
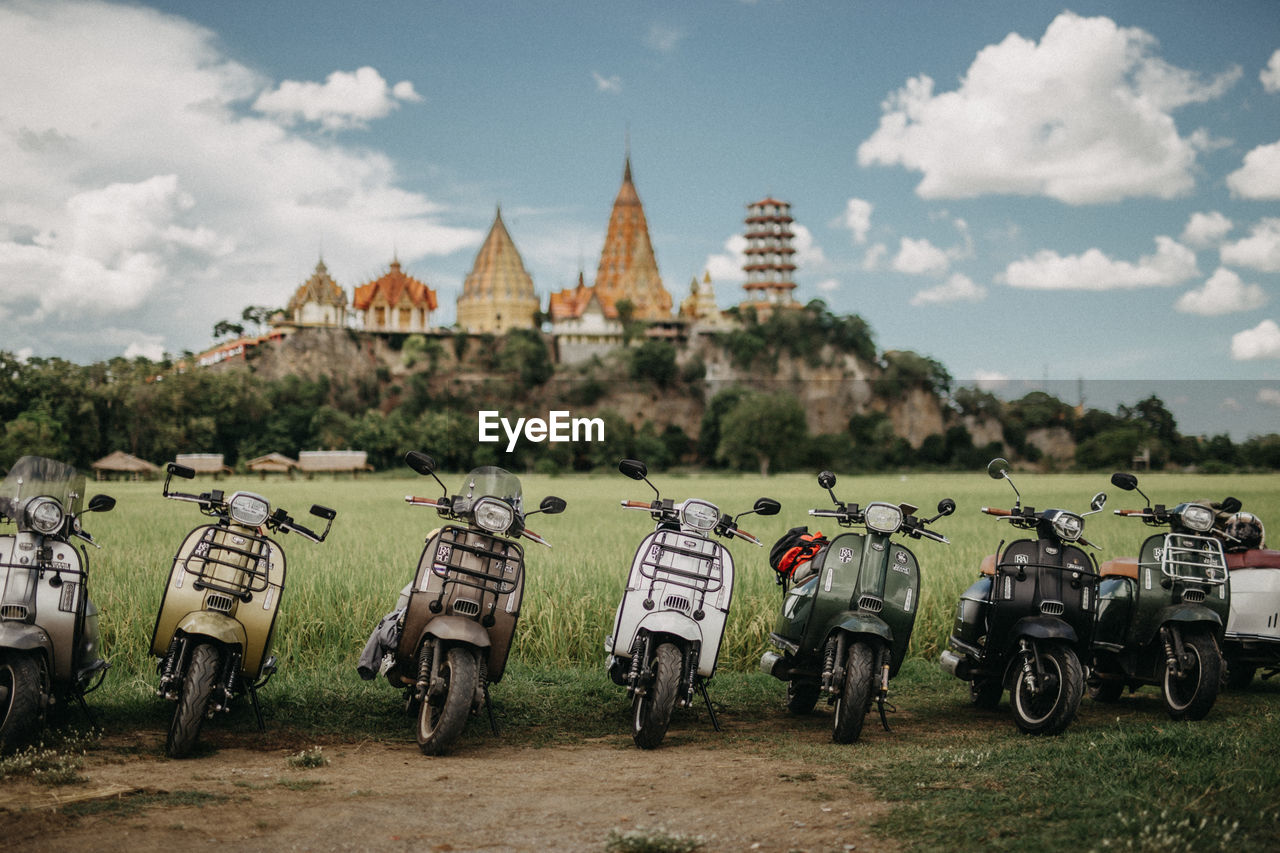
(121, 461)
(271, 462)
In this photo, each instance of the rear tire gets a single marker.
(193, 704)
(1052, 709)
(441, 720)
(802, 695)
(1191, 697)
(651, 713)
(22, 679)
(855, 695)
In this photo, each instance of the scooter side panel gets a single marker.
(836, 587)
(58, 607)
(1255, 605)
(901, 601)
(1115, 606)
(1038, 576)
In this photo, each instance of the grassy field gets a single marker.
(1122, 776)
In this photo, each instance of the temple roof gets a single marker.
(498, 270)
(572, 302)
(320, 288)
(394, 287)
(628, 268)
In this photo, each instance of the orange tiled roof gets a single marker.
(570, 303)
(392, 286)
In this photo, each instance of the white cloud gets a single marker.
(808, 253)
(1270, 396)
(1206, 229)
(1259, 177)
(727, 266)
(346, 99)
(663, 38)
(1259, 251)
(1270, 76)
(611, 85)
(829, 285)
(990, 380)
(151, 198)
(150, 347)
(1262, 341)
(1083, 117)
(1093, 270)
(857, 218)
(1231, 404)
(1223, 293)
(958, 288)
(919, 257)
(874, 257)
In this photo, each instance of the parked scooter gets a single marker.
(1027, 621)
(1162, 614)
(217, 617)
(49, 640)
(670, 623)
(844, 627)
(1252, 639)
(452, 630)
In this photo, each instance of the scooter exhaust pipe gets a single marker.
(955, 665)
(769, 662)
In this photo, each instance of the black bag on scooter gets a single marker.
(793, 549)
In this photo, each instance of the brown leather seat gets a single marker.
(1120, 567)
(989, 564)
(1258, 558)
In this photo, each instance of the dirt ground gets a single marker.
(244, 793)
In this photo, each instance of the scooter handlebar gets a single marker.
(428, 502)
(742, 534)
(936, 537)
(991, 510)
(1134, 512)
(535, 537)
(645, 505)
(825, 513)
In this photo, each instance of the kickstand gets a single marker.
(884, 720)
(257, 709)
(702, 687)
(84, 706)
(488, 706)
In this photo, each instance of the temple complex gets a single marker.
(628, 269)
(699, 308)
(319, 301)
(497, 294)
(394, 303)
(770, 257)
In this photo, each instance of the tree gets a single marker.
(226, 328)
(768, 428)
(656, 361)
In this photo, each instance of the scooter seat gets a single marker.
(1120, 567)
(989, 565)
(1257, 558)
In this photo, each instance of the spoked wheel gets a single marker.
(193, 704)
(855, 695)
(985, 693)
(443, 713)
(1049, 708)
(1191, 696)
(23, 678)
(651, 712)
(802, 695)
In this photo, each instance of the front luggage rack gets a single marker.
(1193, 559)
(497, 566)
(236, 568)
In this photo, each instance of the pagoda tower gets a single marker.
(319, 301)
(770, 256)
(628, 269)
(497, 294)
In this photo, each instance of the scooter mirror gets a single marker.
(946, 506)
(1098, 502)
(826, 480)
(180, 471)
(1121, 480)
(552, 505)
(420, 462)
(101, 503)
(323, 512)
(1231, 505)
(998, 469)
(633, 468)
(766, 506)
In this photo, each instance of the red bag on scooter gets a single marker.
(793, 549)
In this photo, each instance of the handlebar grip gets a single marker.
(989, 510)
(535, 537)
(826, 513)
(739, 532)
(416, 501)
(1131, 512)
(636, 505)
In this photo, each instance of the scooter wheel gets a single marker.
(651, 711)
(1191, 696)
(22, 678)
(193, 704)
(1051, 709)
(855, 696)
(444, 711)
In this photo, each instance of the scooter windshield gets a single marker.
(492, 481)
(33, 476)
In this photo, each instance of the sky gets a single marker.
(1023, 191)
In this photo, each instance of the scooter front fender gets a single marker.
(1189, 614)
(853, 623)
(457, 629)
(216, 626)
(675, 624)
(1044, 628)
(24, 637)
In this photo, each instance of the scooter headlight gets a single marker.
(248, 509)
(1068, 526)
(44, 515)
(882, 518)
(1198, 518)
(493, 515)
(699, 515)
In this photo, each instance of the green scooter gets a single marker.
(845, 623)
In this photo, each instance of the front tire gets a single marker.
(442, 717)
(855, 695)
(651, 713)
(22, 680)
(1050, 710)
(193, 703)
(1191, 697)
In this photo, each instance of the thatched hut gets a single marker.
(272, 463)
(123, 463)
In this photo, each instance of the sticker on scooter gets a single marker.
(443, 553)
(846, 554)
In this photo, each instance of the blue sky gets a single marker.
(1020, 190)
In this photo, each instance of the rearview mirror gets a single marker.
(1121, 480)
(826, 480)
(1231, 505)
(323, 512)
(552, 505)
(1098, 502)
(766, 506)
(946, 506)
(181, 471)
(998, 468)
(633, 468)
(420, 462)
(101, 503)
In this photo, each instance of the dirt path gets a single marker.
(246, 795)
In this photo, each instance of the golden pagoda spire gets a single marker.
(497, 294)
(628, 268)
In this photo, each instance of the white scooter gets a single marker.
(1252, 639)
(666, 637)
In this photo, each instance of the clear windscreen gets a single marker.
(492, 481)
(34, 476)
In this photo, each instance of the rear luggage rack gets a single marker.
(237, 569)
(1192, 559)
